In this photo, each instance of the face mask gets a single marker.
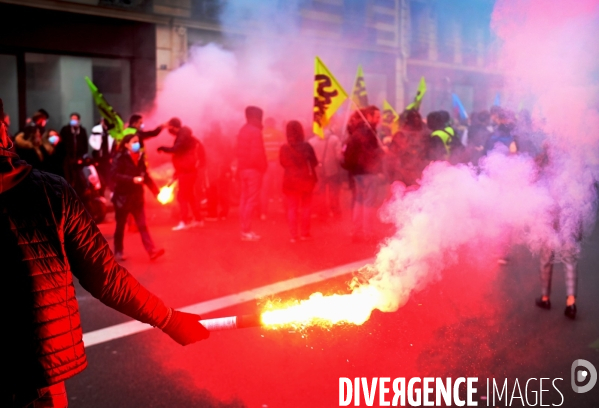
(74, 122)
(141, 126)
(135, 147)
(53, 139)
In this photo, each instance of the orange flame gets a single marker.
(320, 310)
(166, 194)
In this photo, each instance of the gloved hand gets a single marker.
(185, 328)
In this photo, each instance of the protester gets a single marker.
(478, 135)
(273, 140)
(130, 174)
(502, 137)
(136, 122)
(29, 146)
(54, 146)
(362, 158)
(444, 144)
(39, 119)
(568, 248)
(299, 162)
(251, 166)
(408, 151)
(188, 156)
(329, 172)
(102, 146)
(75, 145)
(56, 240)
(219, 156)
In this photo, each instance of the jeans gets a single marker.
(366, 190)
(53, 396)
(217, 195)
(139, 216)
(187, 197)
(326, 199)
(251, 182)
(571, 268)
(298, 204)
(270, 185)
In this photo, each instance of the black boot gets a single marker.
(543, 304)
(570, 311)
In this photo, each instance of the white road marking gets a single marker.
(129, 328)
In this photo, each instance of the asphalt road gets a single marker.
(472, 322)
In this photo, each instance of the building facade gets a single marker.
(128, 47)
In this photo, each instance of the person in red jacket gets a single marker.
(46, 238)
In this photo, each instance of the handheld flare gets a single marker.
(231, 322)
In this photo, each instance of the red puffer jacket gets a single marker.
(46, 237)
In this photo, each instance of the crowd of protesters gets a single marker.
(264, 165)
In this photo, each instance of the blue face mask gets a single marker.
(74, 122)
(135, 147)
(53, 139)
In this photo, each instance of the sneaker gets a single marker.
(543, 304)
(194, 224)
(120, 257)
(181, 226)
(249, 236)
(156, 253)
(570, 311)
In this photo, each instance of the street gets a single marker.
(472, 322)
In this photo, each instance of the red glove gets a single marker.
(185, 328)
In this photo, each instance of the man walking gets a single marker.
(251, 164)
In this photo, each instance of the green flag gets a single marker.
(419, 95)
(114, 123)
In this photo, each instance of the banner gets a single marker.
(328, 97)
(114, 123)
(459, 107)
(359, 95)
(419, 95)
(389, 120)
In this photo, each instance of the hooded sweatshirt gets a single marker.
(299, 161)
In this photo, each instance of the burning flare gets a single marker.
(320, 310)
(166, 194)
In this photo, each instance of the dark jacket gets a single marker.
(251, 153)
(408, 155)
(363, 154)
(75, 141)
(145, 135)
(47, 237)
(188, 152)
(299, 161)
(126, 192)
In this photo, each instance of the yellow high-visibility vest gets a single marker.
(446, 135)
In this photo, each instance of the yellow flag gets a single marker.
(328, 96)
(359, 95)
(419, 95)
(390, 119)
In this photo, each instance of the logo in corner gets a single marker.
(581, 371)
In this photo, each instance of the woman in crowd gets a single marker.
(299, 161)
(130, 174)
